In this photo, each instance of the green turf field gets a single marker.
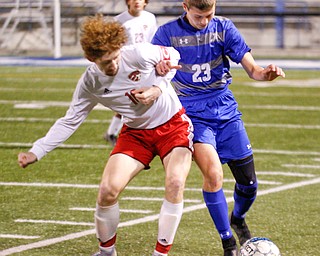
(47, 208)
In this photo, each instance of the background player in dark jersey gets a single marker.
(205, 43)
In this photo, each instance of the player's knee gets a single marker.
(247, 191)
(108, 195)
(244, 171)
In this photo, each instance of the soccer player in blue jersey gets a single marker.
(206, 43)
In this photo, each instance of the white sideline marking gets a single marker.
(84, 209)
(156, 199)
(100, 121)
(48, 120)
(78, 146)
(287, 126)
(45, 104)
(265, 182)
(18, 236)
(72, 236)
(56, 222)
(282, 107)
(302, 166)
(85, 186)
(289, 174)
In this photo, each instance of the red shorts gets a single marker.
(144, 144)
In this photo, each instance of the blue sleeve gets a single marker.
(236, 46)
(161, 37)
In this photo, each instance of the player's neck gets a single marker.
(135, 13)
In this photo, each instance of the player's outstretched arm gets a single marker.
(258, 73)
(26, 158)
(164, 66)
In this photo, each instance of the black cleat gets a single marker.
(241, 228)
(230, 247)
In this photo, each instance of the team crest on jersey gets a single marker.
(135, 76)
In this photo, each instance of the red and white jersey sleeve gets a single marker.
(140, 29)
(136, 70)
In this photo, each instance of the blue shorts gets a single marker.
(217, 121)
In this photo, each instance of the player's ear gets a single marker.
(185, 7)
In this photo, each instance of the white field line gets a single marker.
(281, 107)
(88, 146)
(265, 182)
(286, 126)
(35, 104)
(44, 104)
(70, 90)
(11, 236)
(85, 209)
(302, 166)
(149, 218)
(156, 199)
(99, 121)
(88, 186)
(288, 174)
(48, 120)
(56, 222)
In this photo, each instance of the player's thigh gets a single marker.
(233, 142)
(207, 159)
(178, 162)
(119, 170)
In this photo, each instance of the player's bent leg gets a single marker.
(119, 170)
(210, 166)
(177, 165)
(106, 222)
(244, 195)
(169, 219)
(208, 161)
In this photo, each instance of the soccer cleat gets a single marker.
(112, 139)
(241, 228)
(230, 247)
(102, 253)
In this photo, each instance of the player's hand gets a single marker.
(271, 72)
(24, 159)
(147, 95)
(164, 66)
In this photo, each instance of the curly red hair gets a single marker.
(99, 36)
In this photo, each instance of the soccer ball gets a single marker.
(259, 246)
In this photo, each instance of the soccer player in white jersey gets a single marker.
(124, 79)
(141, 25)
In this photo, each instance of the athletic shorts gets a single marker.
(217, 121)
(144, 144)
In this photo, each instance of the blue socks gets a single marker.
(244, 197)
(218, 209)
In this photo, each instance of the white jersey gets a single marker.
(140, 29)
(136, 70)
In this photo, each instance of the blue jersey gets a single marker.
(204, 54)
(203, 82)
